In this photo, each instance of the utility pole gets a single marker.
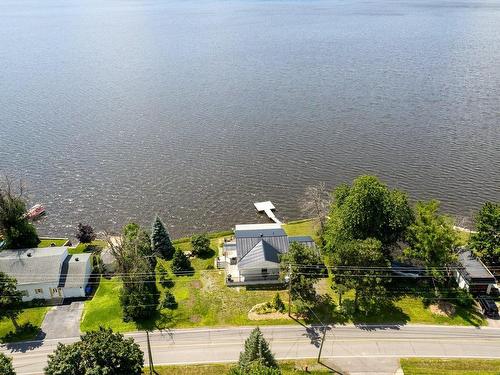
(322, 342)
(150, 355)
(289, 277)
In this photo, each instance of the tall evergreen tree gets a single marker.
(160, 240)
(6, 367)
(256, 351)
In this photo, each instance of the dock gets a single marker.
(267, 207)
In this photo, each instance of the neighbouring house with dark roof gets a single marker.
(253, 257)
(471, 274)
(47, 273)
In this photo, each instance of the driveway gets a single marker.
(62, 321)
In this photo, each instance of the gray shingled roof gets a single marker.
(31, 266)
(73, 273)
(262, 255)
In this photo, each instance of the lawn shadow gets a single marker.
(210, 253)
(27, 337)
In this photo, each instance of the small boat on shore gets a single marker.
(35, 212)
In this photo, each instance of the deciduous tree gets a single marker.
(316, 203)
(486, 242)
(431, 239)
(15, 228)
(368, 209)
(303, 266)
(85, 233)
(201, 246)
(361, 266)
(160, 240)
(98, 352)
(10, 299)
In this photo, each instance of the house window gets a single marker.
(38, 291)
(264, 271)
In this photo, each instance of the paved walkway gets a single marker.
(62, 321)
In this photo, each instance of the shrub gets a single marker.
(165, 279)
(278, 303)
(168, 301)
(85, 233)
(6, 365)
(180, 263)
(201, 246)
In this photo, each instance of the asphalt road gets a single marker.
(360, 349)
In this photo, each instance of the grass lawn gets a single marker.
(45, 242)
(204, 300)
(306, 227)
(88, 247)
(427, 366)
(33, 316)
(287, 368)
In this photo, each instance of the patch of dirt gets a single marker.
(253, 315)
(443, 308)
(196, 284)
(195, 318)
(209, 284)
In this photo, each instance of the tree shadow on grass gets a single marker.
(27, 337)
(209, 253)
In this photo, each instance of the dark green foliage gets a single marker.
(139, 297)
(137, 262)
(278, 304)
(168, 301)
(180, 263)
(431, 239)
(304, 266)
(368, 209)
(98, 353)
(136, 237)
(10, 299)
(6, 365)
(361, 265)
(256, 351)
(254, 369)
(160, 240)
(15, 228)
(201, 246)
(85, 233)
(486, 242)
(165, 279)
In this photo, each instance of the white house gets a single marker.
(254, 256)
(47, 273)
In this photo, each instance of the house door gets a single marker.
(55, 292)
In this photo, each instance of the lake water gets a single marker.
(115, 111)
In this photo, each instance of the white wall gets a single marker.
(30, 288)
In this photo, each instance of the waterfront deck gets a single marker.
(267, 207)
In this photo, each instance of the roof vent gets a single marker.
(76, 259)
(262, 234)
(29, 255)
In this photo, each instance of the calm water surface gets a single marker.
(118, 110)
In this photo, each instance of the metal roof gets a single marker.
(33, 266)
(305, 240)
(262, 255)
(473, 269)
